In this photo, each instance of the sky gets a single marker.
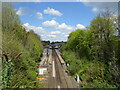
(54, 21)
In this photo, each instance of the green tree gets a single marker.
(20, 51)
(96, 52)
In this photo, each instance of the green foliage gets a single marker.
(93, 53)
(79, 42)
(91, 70)
(96, 84)
(7, 73)
(74, 64)
(21, 51)
(102, 84)
(45, 43)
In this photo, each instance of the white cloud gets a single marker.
(51, 23)
(45, 35)
(79, 26)
(63, 30)
(61, 34)
(22, 11)
(26, 24)
(63, 26)
(52, 36)
(52, 11)
(55, 32)
(95, 10)
(66, 35)
(39, 15)
(54, 24)
(37, 30)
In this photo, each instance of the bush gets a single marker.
(21, 51)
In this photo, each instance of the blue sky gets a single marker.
(55, 20)
(73, 13)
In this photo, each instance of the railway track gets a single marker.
(60, 75)
(58, 78)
